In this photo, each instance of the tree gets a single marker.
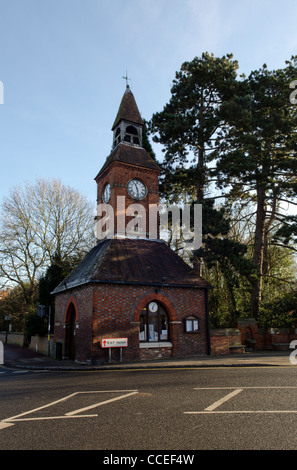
(280, 312)
(37, 222)
(13, 304)
(188, 124)
(35, 325)
(226, 265)
(187, 128)
(256, 156)
(55, 273)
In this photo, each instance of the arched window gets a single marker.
(131, 130)
(153, 324)
(131, 135)
(117, 137)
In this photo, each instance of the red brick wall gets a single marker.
(83, 302)
(219, 344)
(117, 309)
(224, 339)
(118, 175)
(113, 310)
(260, 339)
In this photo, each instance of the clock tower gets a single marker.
(131, 285)
(128, 181)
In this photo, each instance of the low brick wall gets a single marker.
(247, 337)
(226, 341)
(38, 343)
(16, 339)
(261, 339)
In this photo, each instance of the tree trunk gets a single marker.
(268, 225)
(258, 256)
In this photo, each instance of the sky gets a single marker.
(62, 63)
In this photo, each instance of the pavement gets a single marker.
(21, 358)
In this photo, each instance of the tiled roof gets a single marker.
(131, 261)
(128, 109)
(130, 154)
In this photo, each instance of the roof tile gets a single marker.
(136, 261)
(128, 109)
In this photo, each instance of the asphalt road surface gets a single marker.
(180, 410)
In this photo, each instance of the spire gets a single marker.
(128, 110)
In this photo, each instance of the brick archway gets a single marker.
(68, 308)
(70, 321)
(162, 299)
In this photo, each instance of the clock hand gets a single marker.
(137, 190)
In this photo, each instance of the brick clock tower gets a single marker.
(131, 287)
(129, 176)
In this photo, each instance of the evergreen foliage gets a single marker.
(234, 138)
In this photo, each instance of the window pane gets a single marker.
(142, 327)
(189, 325)
(163, 327)
(153, 326)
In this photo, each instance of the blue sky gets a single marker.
(62, 62)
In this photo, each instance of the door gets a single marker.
(71, 332)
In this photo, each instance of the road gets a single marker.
(181, 409)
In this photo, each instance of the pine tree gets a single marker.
(256, 155)
(189, 121)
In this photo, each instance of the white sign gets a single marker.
(114, 343)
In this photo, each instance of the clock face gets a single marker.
(106, 193)
(153, 306)
(136, 189)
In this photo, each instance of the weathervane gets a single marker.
(126, 78)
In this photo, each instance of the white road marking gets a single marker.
(74, 414)
(243, 388)
(55, 417)
(218, 403)
(236, 390)
(13, 418)
(237, 412)
(71, 413)
(4, 425)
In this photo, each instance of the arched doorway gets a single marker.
(70, 332)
